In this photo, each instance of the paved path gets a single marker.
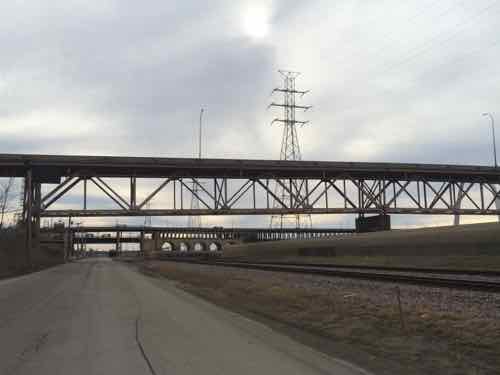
(101, 317)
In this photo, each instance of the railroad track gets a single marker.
(334, 271)
(442, 271)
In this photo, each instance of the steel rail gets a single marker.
(443, 271)
(461, 284)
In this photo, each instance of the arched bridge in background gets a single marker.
(186, 240)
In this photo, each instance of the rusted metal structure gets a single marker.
(290, 150)
(246, 187)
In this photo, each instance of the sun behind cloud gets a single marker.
(256, 21)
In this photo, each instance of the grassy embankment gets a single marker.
(474, 246)
(13, 260)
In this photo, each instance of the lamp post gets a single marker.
(199, 134)
(493, 134)
(497, 200)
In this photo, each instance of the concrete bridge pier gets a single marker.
(68, 243)
(118, 247)
(156, 241)
(32, 207)
(373, 223)
(141, 243)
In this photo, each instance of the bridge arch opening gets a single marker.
(213, 247)
(167, 246)
(198, 246)
(183, 247)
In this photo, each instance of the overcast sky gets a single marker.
(402, 81)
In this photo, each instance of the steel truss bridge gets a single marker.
(246, 187)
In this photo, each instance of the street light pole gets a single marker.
(493, 134)
(497, 199)
(199, 144)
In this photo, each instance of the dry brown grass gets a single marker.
(476, 245)
(13, 254)
(358, 326)
(479, 262)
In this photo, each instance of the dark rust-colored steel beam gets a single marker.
(366, 187)
(16, 165)
(264, 211)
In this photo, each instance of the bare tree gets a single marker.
(6, 193)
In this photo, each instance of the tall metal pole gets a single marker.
(493, 134)
(497, 200)
(199, 144)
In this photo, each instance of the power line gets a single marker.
(456, 61)
(392, 38)
(428, 45)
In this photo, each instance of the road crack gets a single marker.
(141, 348)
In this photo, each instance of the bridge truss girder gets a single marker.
(344, 194)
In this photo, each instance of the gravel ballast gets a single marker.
(432, 331)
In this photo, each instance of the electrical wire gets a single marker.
(392, 38)
(429, 46)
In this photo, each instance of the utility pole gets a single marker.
(290, 192)
(199, 139)
(493, 137)
(456, 220)
(497, 200)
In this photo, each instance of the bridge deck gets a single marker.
(113, 166)
(248, 187)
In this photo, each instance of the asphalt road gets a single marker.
(98, 316)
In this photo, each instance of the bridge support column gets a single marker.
(141, 244)
(37, 189)
(28, 215)
(118, 242)
(156, 241)
(68, 244)
(32, 205)
(373, 223)
(72, 245)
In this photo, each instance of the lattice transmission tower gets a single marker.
(291, 193)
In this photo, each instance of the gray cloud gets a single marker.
(390, 81)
